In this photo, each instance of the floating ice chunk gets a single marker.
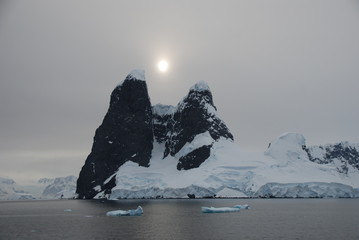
(68, 210)
(137, 212)
(219, 210)
(244, 206)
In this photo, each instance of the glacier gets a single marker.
(283, 170)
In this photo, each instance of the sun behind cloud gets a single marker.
(163, 65)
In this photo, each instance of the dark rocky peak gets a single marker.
(194, 115)
(199, 96)
(125, 134)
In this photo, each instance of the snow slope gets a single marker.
(231, 172)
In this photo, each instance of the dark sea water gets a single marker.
(181, 219)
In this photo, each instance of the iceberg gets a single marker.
(137, 212)
(244, 206)
(219, 210)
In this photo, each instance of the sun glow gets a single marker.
(162, 66)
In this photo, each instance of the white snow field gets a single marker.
(283, 170)
(136, 212)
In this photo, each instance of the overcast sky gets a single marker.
(272, 66)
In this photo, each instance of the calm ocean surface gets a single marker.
(181, 219)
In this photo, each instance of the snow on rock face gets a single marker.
(194, 115)
(289, 146)
(200, 140)
(200, 86)
(306, 190)
(190, 129)
(137, 74)
(344, 155)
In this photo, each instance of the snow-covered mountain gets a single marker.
(165, 151)
(8, 191)
(132, 125)
(45, 188)
(62, 187)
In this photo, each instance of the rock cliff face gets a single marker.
(194, 115)
(126, 134)
(131, 125)
(344, 155)
(177, 127)
(162, 121)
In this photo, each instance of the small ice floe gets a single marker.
(137, 212)
(219, 210)
(68, 210)
(244, 206)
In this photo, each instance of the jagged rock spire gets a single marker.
(125, 134)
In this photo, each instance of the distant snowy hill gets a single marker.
(8, 191)
(62, 187)
(163, 151)
(46, 188)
